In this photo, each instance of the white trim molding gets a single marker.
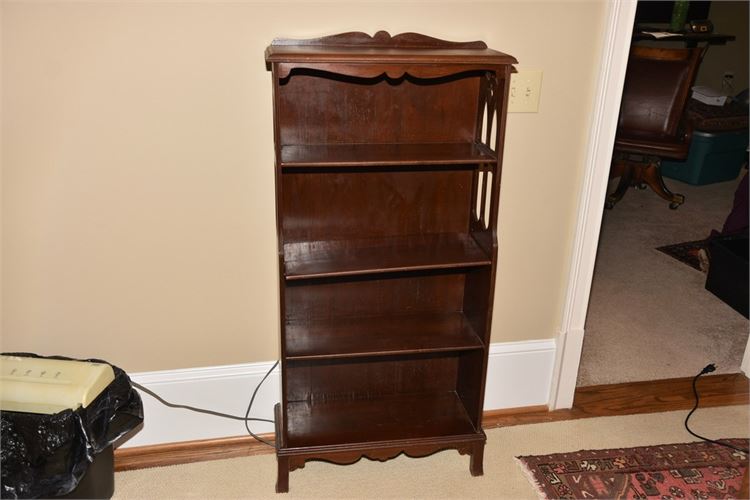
(518, 374)
(614, 58)
(226, 389)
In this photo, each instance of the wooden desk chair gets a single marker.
(651, 125)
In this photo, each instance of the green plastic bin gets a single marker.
(713, 157)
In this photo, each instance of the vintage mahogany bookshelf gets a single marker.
(388, 159)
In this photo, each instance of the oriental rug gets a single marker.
(669, 471)
(688, 252)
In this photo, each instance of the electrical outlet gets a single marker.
(525, 87)
(727, 81)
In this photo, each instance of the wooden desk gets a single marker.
(689, 39)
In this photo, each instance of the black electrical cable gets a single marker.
(245, 419)
(250, 405)
(708, 369)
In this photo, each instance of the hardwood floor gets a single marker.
(595, 401)
(632, 398)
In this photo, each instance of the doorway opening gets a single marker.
(650, 316)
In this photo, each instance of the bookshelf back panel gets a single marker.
(366, 297)
(332, 204)
(406, 109)
(371, 378)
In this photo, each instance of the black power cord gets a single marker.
(707, 369)
(245, 419)
(250, 405)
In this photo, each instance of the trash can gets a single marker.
(60, 418)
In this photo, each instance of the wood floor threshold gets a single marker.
(633, 398)
(594, 401)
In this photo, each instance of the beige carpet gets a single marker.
(650, 316)
(443, 475)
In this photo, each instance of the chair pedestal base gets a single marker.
(640, 173)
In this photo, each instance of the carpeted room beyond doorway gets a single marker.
(650, 316)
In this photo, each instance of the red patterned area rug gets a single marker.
(669, 471)
(687, 252)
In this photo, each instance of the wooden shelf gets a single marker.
(385, 155)
(319, 259)
(379, 336)
(390, 418)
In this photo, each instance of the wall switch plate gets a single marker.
(525, 87)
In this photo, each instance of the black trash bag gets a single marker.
(47, 455)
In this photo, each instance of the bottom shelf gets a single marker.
(390, 418)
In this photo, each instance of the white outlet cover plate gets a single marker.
(525, 89)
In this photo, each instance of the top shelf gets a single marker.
(343, 155)
(404, 48)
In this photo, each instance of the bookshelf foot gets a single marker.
(476, 464)
(282, 479)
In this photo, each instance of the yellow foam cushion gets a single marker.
(40, 385)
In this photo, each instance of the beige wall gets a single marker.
(138, 211)
(730, 18)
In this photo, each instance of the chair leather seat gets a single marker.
(667, 147)
(651, 125)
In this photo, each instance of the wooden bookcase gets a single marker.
(388, 159)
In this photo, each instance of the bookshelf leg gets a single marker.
(282, 479)
(476, 464)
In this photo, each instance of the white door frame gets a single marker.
(614, 58)
(569, 343)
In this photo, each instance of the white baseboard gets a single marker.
(225, 389)
(518, 374)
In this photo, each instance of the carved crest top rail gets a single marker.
(405, 48)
